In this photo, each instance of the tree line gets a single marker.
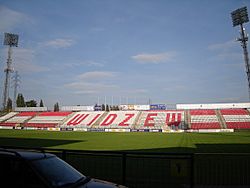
(20, 102)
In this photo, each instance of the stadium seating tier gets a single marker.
(157, 119)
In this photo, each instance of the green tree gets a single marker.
(56, 107)
(107, 108)
(9, 105)
(115, 108)
(20, 100)
(41, 103)
(31, 103)
(103, 107)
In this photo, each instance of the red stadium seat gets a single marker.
(205, 126)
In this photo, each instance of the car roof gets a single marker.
(25, 154)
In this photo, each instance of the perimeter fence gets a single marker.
(148, 169)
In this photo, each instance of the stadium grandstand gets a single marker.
(151, 118)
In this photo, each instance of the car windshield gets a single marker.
(57, 172)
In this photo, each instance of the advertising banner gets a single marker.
(96, 130)
(66, 129)
(142, 107)
(77, 108)
(98, 108)
(155, 130)
(123, 107)
(158, 107)
(139, 130)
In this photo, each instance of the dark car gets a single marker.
(19, 168)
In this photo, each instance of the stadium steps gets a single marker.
(26, 121)
(7, 118)
(66, 119)
(221, 119)
(187, 120)
(99, 120)
(3, 114)
(248, 110)
(136, 122)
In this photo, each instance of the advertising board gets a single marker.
(77, 108)
(6, 127)
(155, 130)
(131, 107)
(96, 130)
(53, 129)
(66, 129)
(97, 108)
(117, 130)
(139, 130)
(141, 107)
(80, 129)
(158, 107)
(31, 109)
(123, 107)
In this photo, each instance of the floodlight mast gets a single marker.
(243, 40)
(10, 40)
(16, 81)
(239, 17)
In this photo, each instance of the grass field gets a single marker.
(237, 142)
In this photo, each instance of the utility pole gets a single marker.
(9, 40)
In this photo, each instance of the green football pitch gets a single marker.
(237, 142)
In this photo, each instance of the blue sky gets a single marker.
(168, 51)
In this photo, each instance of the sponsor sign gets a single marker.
(131, 107)
(139, 130)
(81, 129)
(53, 129)
(31, 109)
(97, 108)
(18, 128)
(30, 128)
(142, 107)
(158, 107)
(227, 130)
(123, 107)
(6, 127)
(96, 130)
(155, 130)
(77, 108)
(66, 129)
(117, 130)
(127, 107)
(166, 130)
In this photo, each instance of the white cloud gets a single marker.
(85, 63)
(229, 55)
(93, 63)
(86, 83)
(90, 88)
(223, 46)
(135, 91)
(23, 60)
(97, 75)
(175, 88)
(11, 18)
(154, 58)
(59, 43)
(228, 50)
